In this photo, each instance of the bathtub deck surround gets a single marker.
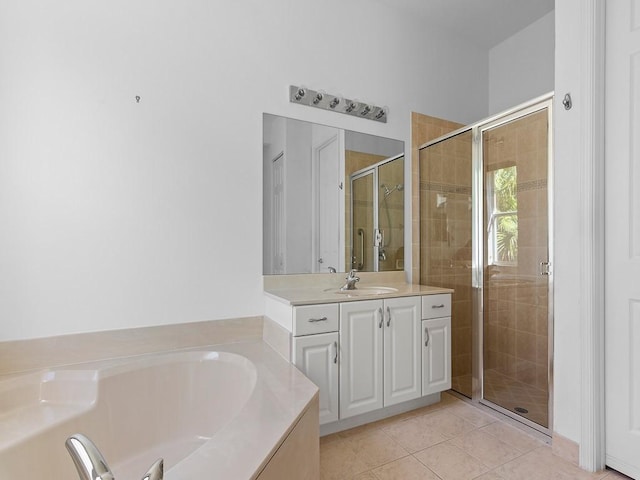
(247, 401)
(22, 356)
(376, 351)
(249, 413)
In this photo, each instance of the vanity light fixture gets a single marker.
(320, 99)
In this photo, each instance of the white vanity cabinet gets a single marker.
(315, 353)
(370, 357)
(436, 343)
(380, 354)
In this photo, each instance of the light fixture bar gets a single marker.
(326, 101)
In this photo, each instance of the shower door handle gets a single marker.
(545, 268)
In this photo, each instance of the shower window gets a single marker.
(502, 204)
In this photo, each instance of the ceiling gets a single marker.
(484, 22)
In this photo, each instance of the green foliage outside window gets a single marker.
(505, 182)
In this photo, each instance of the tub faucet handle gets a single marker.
(156, 472)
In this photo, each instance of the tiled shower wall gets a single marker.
(445, 236)
(441, 234)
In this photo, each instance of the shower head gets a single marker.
(388, 191)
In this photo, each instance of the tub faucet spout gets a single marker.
(89, 462)
(156, 472)
(91, 465)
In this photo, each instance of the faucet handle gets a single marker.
(156, 471)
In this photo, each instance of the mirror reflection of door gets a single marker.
(328, 199)
(307, 211)
(279, 219)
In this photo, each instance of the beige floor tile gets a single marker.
(358, 430)
(490, 476)
(407, 468)
(365, 476)
(451, 463)
(413, 435)
(471, 414)
(488, 449)
(446, 423)
(513, 436)
(375, 447)
(385, 422)
(327, 439)
(542, 464)
(338, 461)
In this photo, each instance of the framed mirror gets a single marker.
(332, 199)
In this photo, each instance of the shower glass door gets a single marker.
(515, 314)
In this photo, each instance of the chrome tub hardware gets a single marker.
(91, 465)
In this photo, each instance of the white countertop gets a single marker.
(296, 291)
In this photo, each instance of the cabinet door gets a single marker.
(317, 357)
(436, 355)
(402, 352)
(361, 327)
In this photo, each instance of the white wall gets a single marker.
(120, 214)
(568, 223)
(521, 68)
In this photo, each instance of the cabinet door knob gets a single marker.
(426, 333)
(438, 306)
(335, 358)
(381, 317)
(388, 316)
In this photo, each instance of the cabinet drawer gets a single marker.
(434, 306)
(310, 319)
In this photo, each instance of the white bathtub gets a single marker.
(209, 414)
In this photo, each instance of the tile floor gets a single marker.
(451, 440)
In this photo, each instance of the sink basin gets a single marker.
(363, 291)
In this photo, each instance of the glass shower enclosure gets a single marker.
(485, 229)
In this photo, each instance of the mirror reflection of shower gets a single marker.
(388, 191)
(382, 252)
(377, 216)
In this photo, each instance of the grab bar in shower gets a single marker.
(360, 265)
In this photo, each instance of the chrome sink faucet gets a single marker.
(351, 281)
(91, 465)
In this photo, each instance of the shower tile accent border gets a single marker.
(21, 356)
(445, 188)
